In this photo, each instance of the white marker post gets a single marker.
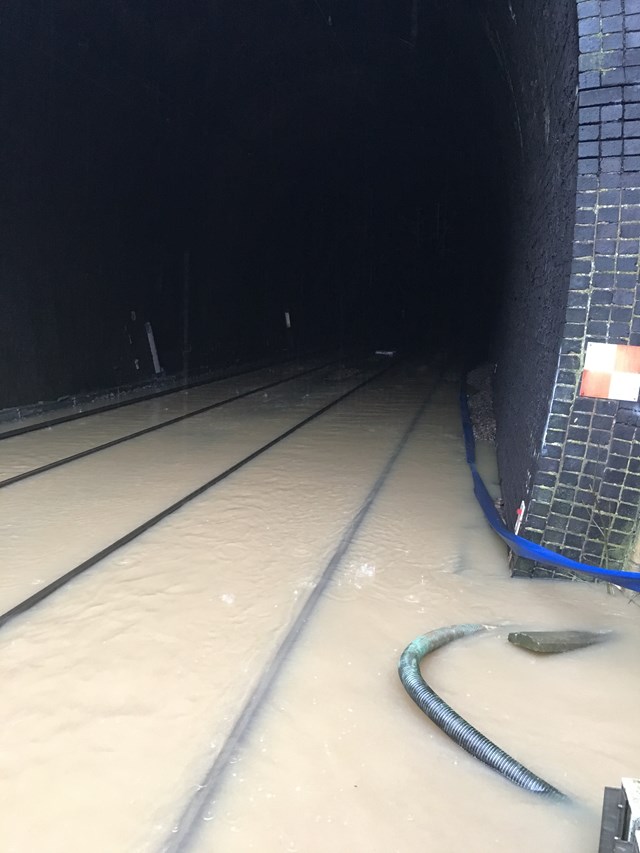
(152, 346)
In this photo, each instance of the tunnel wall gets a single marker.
(582, 485)
(133, 135)
(75, 256)
(536, 45)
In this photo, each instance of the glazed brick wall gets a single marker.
(583, 488)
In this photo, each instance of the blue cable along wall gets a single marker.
(520, 546)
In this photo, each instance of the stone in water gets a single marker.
(554, 642)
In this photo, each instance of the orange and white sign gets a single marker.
(611, 372)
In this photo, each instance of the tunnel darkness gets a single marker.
(414, 175)
(342, 161)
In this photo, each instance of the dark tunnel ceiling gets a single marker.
(318, 144)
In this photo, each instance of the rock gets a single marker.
(480, 396)
(554, 642)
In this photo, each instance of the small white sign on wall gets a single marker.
(611, 372)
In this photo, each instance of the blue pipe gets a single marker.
(518, 544)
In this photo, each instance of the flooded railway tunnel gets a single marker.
(249, 252)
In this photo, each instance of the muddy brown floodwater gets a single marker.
(122, 688)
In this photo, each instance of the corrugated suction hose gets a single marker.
(451, 723)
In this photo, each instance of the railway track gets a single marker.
(20, 521)
(139, 433)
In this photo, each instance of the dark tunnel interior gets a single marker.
(208, 167)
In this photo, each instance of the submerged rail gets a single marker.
(190, 821)
(143, 398)
(82, 454)
(53, 587)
